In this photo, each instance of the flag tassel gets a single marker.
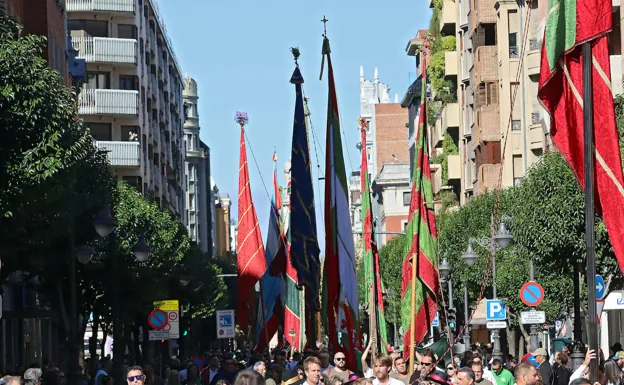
(588, 122)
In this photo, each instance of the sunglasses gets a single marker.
(138, 378)
(426, 363)
(450, 368)
(340, 358)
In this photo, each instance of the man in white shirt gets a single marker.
(382, 364)
(312, 370)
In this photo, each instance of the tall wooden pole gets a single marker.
(413, 317)
(372, 315)
(588, 123)
(264, 324)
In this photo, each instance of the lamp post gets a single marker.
(470, 257)
(104, 225)
(499, 241)
(445, 276)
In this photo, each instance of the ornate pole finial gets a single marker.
(324, 20)
(362, 123)
(241, 118)
(295, 52)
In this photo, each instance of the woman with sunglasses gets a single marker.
(451, 372)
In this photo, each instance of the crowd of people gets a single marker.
(314, 367)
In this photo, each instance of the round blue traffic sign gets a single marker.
(532, 293)
(601, 288)
(157, 319)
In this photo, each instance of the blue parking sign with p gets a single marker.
(495, 310)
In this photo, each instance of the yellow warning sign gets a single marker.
(167, 305)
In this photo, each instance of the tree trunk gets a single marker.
(129, 343)
(512, 336)
(136, 342)
(93, 344)
(521, 348)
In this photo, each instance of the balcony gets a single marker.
(466, 63)
(454, 167)
(536, 137)
(487, 177)
(486, 64)
(487, 125)
(449, 116)
(121, 154)
(533, 58)
(483, 12)
(108, 102)
(100, 5)
(451, 63)
(106, 49)
(437, 135)
(448, 17)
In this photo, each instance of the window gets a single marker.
(128, 82)
(100, 131)
(98, 80)
(515, 125)
(407, 198)
(513, 45)
(126, 31)
(94, 28)
(130, 133)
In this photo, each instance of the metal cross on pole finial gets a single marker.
(324, 20)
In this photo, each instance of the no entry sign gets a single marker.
(157, 319)
(532, 293)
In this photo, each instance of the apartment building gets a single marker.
(132, 99)
(199, 199)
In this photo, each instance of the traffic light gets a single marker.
(452, 318)
(185, 333)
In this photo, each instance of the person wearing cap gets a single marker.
(543, 366)
(382, 364)
(619, 359)
(33, 376)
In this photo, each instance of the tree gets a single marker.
(53, 176)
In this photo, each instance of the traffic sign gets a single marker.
(532, 293)
(172, 308)
(495, 310)
(155, 335)
(599, 306)
(497, 325)
(436, 320)
(601, 288)
(532, 317)
(157, 319)
(225, 324)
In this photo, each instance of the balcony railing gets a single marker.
(106, 49)
(486, 63)
(108, 102)
(100, 5)
(121, 154)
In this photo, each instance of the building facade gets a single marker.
(132, 99)
(199, 200)
(223, 228)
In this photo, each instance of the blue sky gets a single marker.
(238, 51)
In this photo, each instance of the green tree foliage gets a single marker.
(547, 211)
(391, 264)
(53, 178)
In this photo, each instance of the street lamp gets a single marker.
(445, 275)
(104, 225)
(500, 240)
(470, 257)
(84, 254)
